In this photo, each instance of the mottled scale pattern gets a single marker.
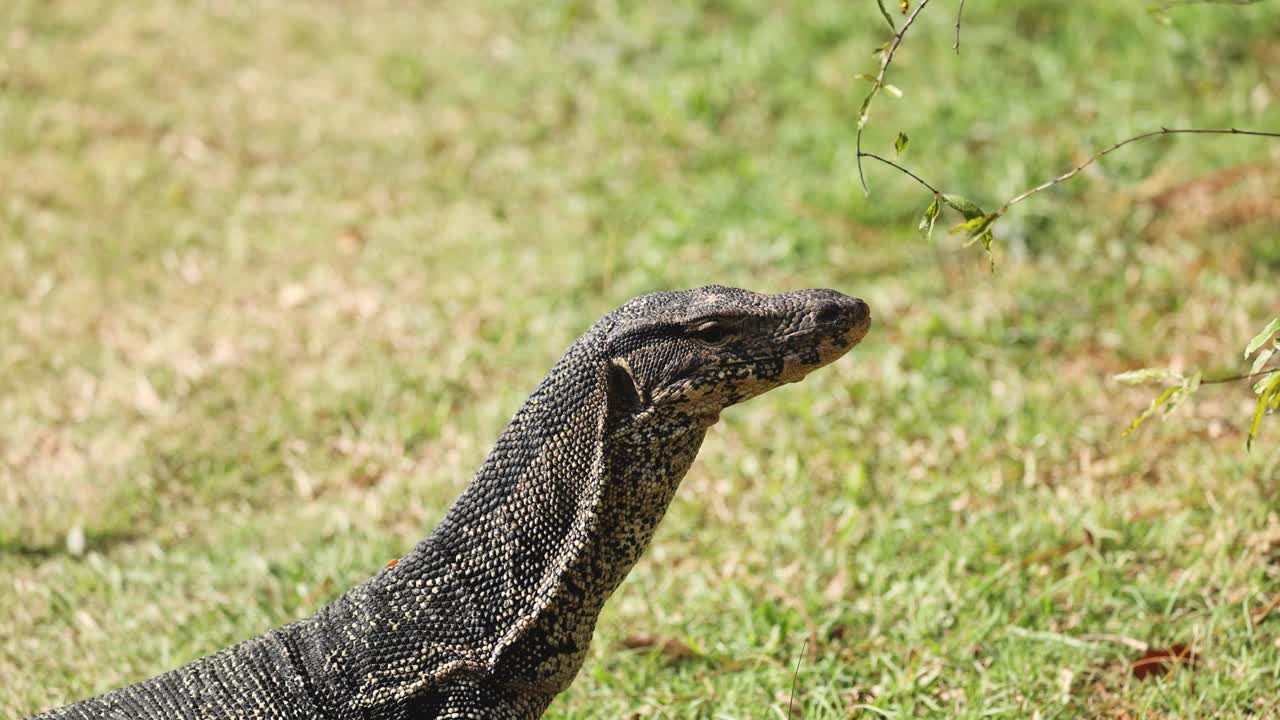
(491, 615)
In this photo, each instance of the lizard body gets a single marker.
(492, 614)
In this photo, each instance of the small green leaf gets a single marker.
(900, 146)
(1261, 360)
(1146, 375)
(1269, 395)
(887, 17)
(1155, 405)
(1256, 423)
(976, 228)
(893, 90)
(963, 205)
(968, 227)
(1261, 338)
(930, 215)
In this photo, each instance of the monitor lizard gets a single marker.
(491, 615)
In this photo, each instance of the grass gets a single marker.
(274, 277)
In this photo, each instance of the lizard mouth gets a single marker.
(821, 347)
(787, 359)
(837, 329)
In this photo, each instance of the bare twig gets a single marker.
(989, 219)
(879, 83)
(959, 14)
(903, 170)
(1234, 378)
(1106, 151)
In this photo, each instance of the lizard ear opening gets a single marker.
(625, 395)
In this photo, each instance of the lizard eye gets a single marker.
(710, 333)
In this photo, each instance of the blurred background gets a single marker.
(273, 276)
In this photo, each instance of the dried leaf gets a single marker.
(1158, 662)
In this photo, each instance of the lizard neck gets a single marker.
(639, 475)
(444, 609)
(507, 589)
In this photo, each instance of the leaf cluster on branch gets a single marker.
(977, 225)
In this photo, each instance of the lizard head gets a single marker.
(693, 353)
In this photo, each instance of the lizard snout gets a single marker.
(838, 309)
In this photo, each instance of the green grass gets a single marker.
(273, 277)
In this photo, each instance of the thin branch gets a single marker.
(1236, 378)
(879, 83)
(1076, 171)
(901, 169)
(959, 14)
(1098, 155)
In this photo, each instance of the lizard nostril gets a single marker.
(828, 313)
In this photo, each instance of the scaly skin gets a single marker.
(492, 614)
